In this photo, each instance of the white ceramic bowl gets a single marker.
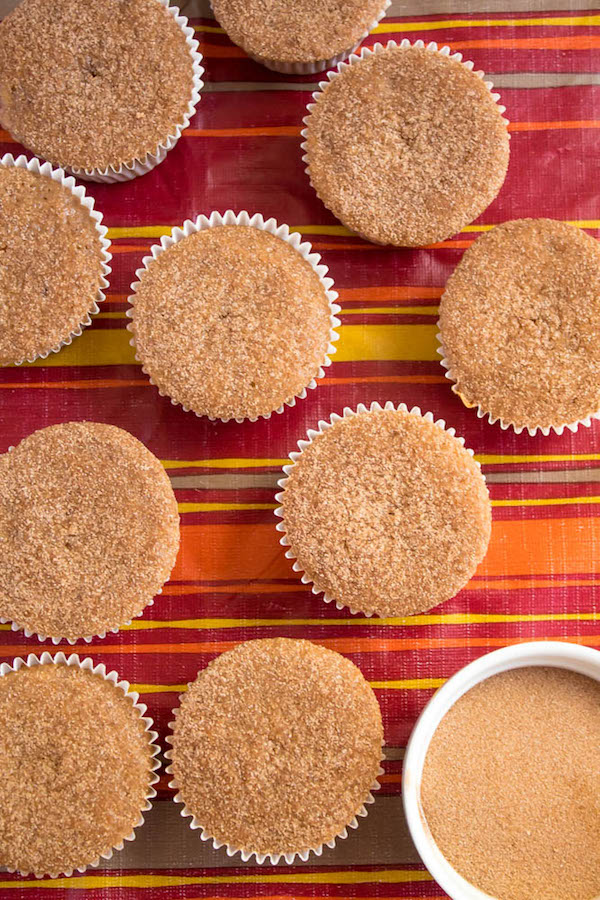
(536, 653)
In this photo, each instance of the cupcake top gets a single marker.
(520, 324)
(89, 530)
(51, 267)
(76, 768)
(231, 322)
(301, 31)
(90, 85)
(406, 146)
(276, 746)
(387, 513)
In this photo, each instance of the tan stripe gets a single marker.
(561, 476)
(225, 482)
(500, 80)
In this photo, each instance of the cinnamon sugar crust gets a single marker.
(50, 264)
(76, 768)
(231, 322)
(276, 746)
(511, 785)
(89, 530)
(520, 323)
(92, 84)
(387, 513)
(406, 146)
(296, 30)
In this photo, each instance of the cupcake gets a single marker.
(101, 89)
(77, 758)
(89, 531)
(233, 317)
(276, 748)
(520, 326)
(385, 511)
(54, 260)
(299, 37)
(406, 144)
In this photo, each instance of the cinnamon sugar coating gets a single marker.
(89, 529)
(92, 84)
(406, 146)
(520, 323)
(511, 785)
(76, 768)
(231, 322)
(296, 30)
(50, 264)
(387, 513)
(276, 746)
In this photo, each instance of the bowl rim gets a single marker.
(560, 654)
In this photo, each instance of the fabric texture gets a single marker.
(232, 582)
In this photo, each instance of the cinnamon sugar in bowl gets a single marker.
(501, 781)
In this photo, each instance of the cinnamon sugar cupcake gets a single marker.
(276, 748)
(406, 144)
(89, 530)
(101, 89)
(53, 260)
(233, 317)
(299, 37)
(520, 326)
(77, 758)
(385, 511)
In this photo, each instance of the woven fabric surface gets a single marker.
(232, 582)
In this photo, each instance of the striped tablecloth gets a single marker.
(541, 575)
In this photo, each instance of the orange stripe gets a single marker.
(543, 126)
(256, 131)
(387, 379)
(393, 292)
(390, 779)
(523, 548)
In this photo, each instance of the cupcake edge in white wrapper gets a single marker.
(140, 166)
(323, 426)
(304, 248)
(365, 53)
(112, 676)
(272, 858)
(313, 68)
(504, 423)
(58, 175)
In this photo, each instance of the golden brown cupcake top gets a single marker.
(50, 264)
(76, 768)
(89, 529)
(520, 323)
(231, 322)
(296, 30)
(406, 146)
(93, 84)
(387, 513)
(276, 746)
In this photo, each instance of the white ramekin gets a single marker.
(563, 655)
(68, 182)
(46, 659)
(216, 220)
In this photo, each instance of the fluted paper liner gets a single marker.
(215, 220)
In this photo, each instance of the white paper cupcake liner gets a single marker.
(364, 54)
(100, 669)
(140, 166)
(504, 423)
(215, 220)
(272, 858)
(323, 426)
(68, 182)
(312, 68)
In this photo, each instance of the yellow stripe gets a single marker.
(224, 463)
(393, 310)
(547, 501)
(387, 27)
(490, 459)
(357, 342)
(407, 684)
(578, 223)
(216, 507)
(289, 876)
(210, 29)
